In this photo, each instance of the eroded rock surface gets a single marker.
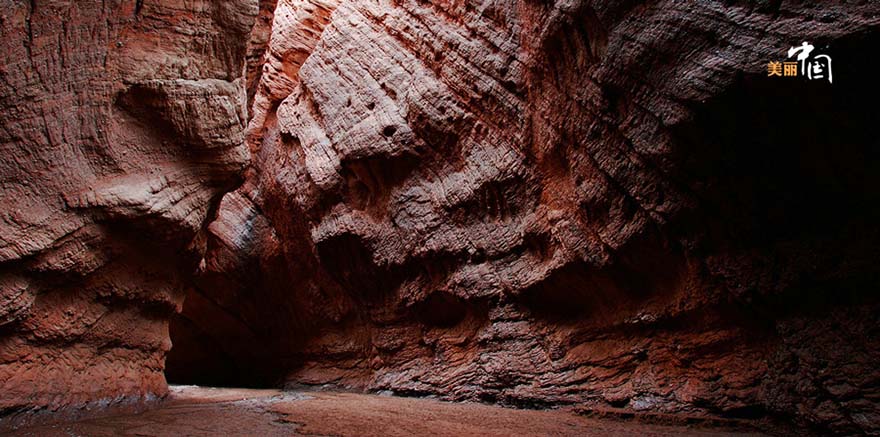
(122, 125)
(606, 204)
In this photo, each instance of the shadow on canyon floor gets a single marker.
(198, 411)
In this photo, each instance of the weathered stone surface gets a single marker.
(122, 124)
(605, 204)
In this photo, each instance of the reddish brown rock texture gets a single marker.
(605, 204)
(122, 123)
(600, 204)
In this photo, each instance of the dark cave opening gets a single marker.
(779, 159)
(787, 174)
(227, 332)
(198, 358)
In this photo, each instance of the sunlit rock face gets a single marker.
(122, 125)
(605, 204)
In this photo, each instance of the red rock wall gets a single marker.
(122, 124)
(601, 204)
(540, 203)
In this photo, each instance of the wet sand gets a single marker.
(199, 411)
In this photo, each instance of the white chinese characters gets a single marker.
(815, 67)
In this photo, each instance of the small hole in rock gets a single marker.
(389, 131)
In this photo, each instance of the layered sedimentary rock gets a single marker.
(608, 205)
(122, 125)
(604, 204)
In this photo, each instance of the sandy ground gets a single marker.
(198, 411)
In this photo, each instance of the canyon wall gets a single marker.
(122, 125)
(608, 205)
(601, 204)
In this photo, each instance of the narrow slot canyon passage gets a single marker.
(439, 217)
(197, 358)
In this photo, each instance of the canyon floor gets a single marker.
(199, 411)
